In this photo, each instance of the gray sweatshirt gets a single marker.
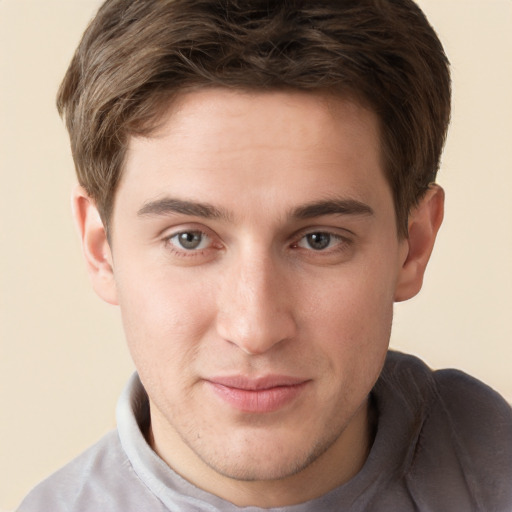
(443, 444)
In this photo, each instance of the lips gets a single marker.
(262, 395)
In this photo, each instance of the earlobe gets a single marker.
(95, 246)
(424, 223)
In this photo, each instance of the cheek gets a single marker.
(351, 320)
(163, 318)
(355, 300)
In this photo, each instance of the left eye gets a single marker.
(319, 241)
(190, 240)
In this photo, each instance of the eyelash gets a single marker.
(340, 242)
(183, 252)
(341, 245)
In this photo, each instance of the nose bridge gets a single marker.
(256, 312)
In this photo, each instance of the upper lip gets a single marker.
(258, 383)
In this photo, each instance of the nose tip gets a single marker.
(256, 333)
(255, 341)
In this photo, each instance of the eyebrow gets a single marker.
(169, 206)
(332, 207)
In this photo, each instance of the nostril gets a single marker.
(257, 337)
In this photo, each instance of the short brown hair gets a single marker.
(137, 54)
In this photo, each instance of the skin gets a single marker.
(288, 267)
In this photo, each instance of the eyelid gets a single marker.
(341, 251)
(333, 237)
(341, 233)
(175, 250)
(186, 227)
(204, 239)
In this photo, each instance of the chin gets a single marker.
(248, 469)
(265, 460)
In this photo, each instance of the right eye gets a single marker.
(188, 241)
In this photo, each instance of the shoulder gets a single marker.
(460, 436)
(481, 420)
(468, 403)
(469, 425)
(473, 406)
(101, 477)
(64, 488)
(481, 426)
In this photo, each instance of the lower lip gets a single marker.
(260, 400)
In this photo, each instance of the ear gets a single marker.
(424, 223)
(95, 246)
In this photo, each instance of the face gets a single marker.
(256, 258)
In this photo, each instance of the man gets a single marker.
(256, 191)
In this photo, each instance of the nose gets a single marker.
(256, 305)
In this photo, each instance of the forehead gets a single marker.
(283, 145)
(243, 114)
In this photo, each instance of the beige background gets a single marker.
(62, 356)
